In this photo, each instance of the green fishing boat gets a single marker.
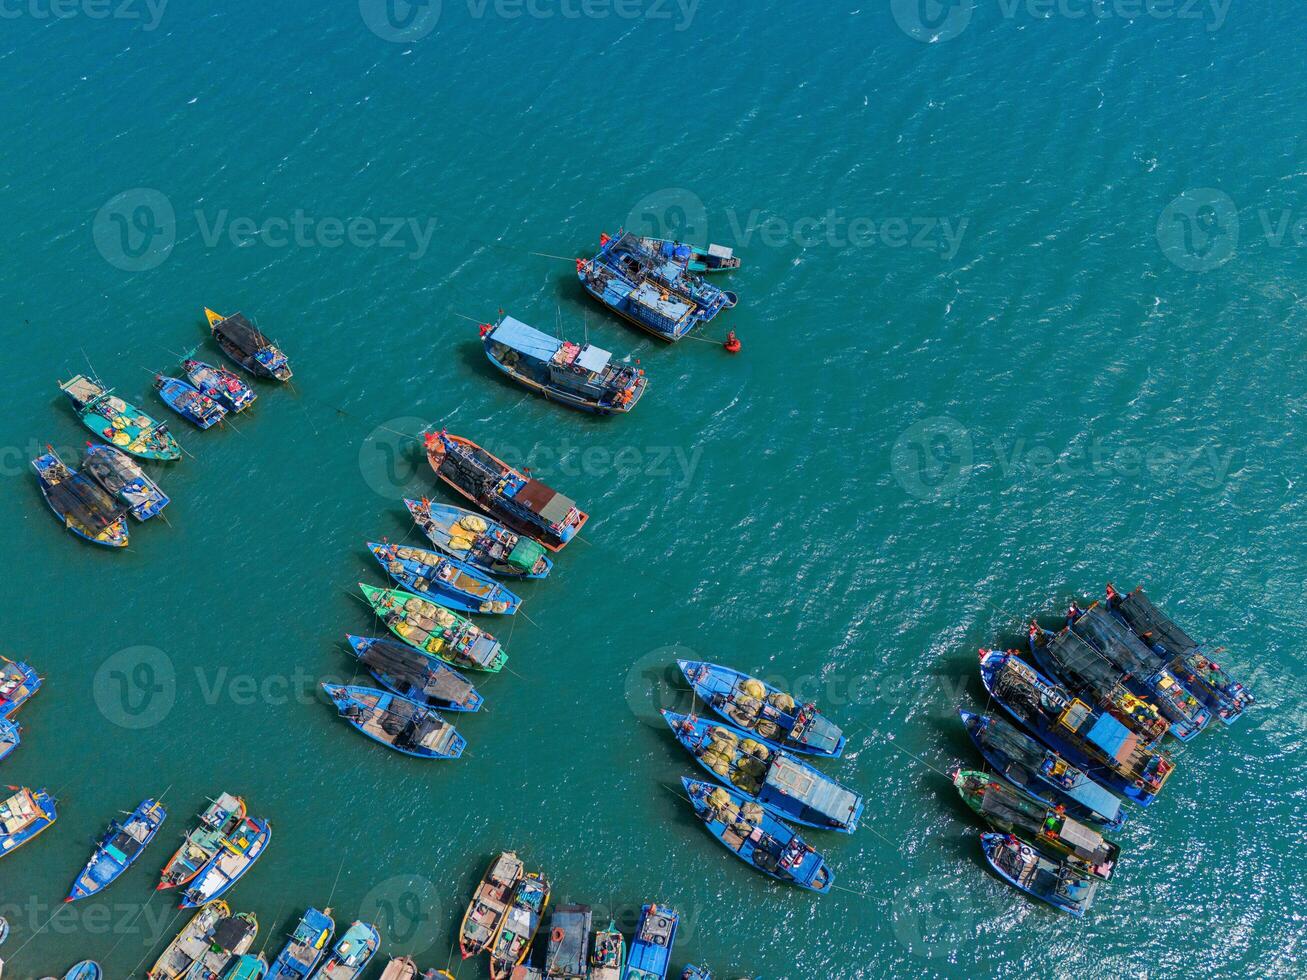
(118, 422)
(1045, 828)
(435, 630)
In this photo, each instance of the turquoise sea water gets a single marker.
(1022, 311)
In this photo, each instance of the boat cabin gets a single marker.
(808, 788)
(582, 370)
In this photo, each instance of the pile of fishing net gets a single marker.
(721, 751)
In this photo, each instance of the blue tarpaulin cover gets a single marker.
(1109, 735)
(524, 339)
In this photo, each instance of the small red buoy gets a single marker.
(732, 344)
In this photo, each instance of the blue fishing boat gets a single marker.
(120, 476)
(1039, 875)
(221, 817)
(649, 288)
(237, 854)
(10, 737)
(452, 583)
(85, 970)
(1184, 656)
(81, 503)
(651, 949)
(18, 682)
(1089, 739)
(715, 258)
(245, 344)
(1040, 772)
(693, 972)
(4, 931)
(396, 722)
(188, 402)
(763, 710)
(415, 675)
(757, 838)
(121, 845)
(251, 966)
(576, 375)
(782, 783)
(223, 386)
(480, 542)
(118, 422)
(306, 948)
(23, 816)
(351, 954)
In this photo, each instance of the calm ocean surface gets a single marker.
(1022, 311)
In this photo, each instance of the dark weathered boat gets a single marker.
(120, 476)
(245, 344)
(489, 904)
(396, 722)
(415, 675)
(81, 503)
(480, 542)
(569, 942)
(517, 929)
(1038, 874)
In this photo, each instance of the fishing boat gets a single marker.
(518, 928)
(649, 290)
(763, 710)
(189, 944)
(351, 954)
(1040, 772)
(453, 584)
(1181, 654)
(189, 402)
(10, 737)
(786, 786)
(251, 966)
(489, 904)
(226, 942)
(478, 542)
(118, 422)
(238, 853)
(18, 682)
(757, 838)
(306, 947)
(693, 972)
(436, 630)
(121, 477)
(223, 386)
(715, 258)
(1089, 675)
(397, 722)
(1044, 827)
(81, 503)
(400, 968)
(4, 930)
(608, 959)
(85, 970)
(651, 949)
(569, 943)
(1098, 631)
(23, 816)
(576, 375)
(245, 344)
(524, 504)
(1086, 738)
(118, 849)
(1023, 867)
(415, 675)
(223, 816)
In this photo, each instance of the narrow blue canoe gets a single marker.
(778, 780)
(415, 675)
(396, 722)
(757, 838)
(651, 949)
(480, 542)
(85, 970)
(306, 948)
(351, 954)
(237, 855)
(767, 712)
(1040, 772)
(10, 737)
(1038, 875)
(188, 402)
(223, 386)
(454, 584)
(121, 845)
(23, 816)
(18, 682)
(80, 503)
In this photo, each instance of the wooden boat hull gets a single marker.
(308, 945)
(990, 844)
(44, 814)
(174, 961)
(118, 850)
(187, 861)
(489, 904)
(517, 930)
(447, 581)
(438, 522)
(230, 864)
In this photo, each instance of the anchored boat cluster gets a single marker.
(1091, 715)
(95, 500)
